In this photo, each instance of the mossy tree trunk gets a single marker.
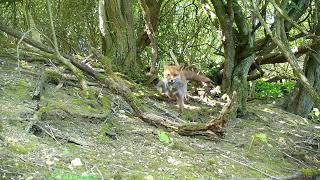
(225, 15)
(30, 21)
(106, 41)
(117, 30)
(235, 70)
(299, 102)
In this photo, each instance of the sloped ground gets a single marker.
(100, 131)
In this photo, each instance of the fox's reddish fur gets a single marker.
(175, 74)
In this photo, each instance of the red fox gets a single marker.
(174, 84)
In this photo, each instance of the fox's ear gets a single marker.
(165, 65)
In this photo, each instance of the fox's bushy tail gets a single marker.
(190, 75)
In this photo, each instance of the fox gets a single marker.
(174, 83)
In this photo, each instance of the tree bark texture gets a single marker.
(154, 9)
(151, 35)
(106, 40)
(116, 28)
(299, 102)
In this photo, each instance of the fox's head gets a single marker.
(171, 73)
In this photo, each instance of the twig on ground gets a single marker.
(295, 159)
(50, 134)
(98, 170)
(249, 166)
(165, 111)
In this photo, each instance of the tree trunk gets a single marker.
(35, 35)
(151, 34)
(154, 9)
(131, 36)
(118, 36)
(300, 102)
(226, 19)
(235, 71)
(104, 29)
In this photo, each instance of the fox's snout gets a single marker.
(172, 74)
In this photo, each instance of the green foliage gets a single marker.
(266, 89)
(192, 44)
(164, 137)
(66, 152)
(259, 137)
(315, 115)
(309, 172)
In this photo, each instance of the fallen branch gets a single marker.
(280, 78)
(210, 129)
(215, 126)
(159, 121)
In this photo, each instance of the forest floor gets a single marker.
(70, 135)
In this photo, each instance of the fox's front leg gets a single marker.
(180, 102)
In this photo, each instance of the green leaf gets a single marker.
(316, 112)
(262, 137)
(164, 137)
(66, 151)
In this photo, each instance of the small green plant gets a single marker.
(164, 137)
(310, 172)
(66, 152)
(266, 89)
(259, 137)
(315, 115)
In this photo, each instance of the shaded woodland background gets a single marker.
(264, 50)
